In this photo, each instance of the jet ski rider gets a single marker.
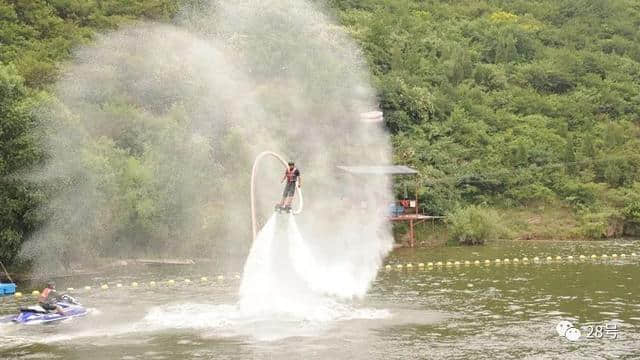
(48, 298)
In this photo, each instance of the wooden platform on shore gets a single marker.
(413, 219)
(405, 217)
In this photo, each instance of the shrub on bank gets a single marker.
(605, 223)
(473, 225)
(631, 214)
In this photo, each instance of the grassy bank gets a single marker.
(539, 222)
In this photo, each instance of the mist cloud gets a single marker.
(154, 129)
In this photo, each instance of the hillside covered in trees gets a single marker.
(512, 104)
(509, 105)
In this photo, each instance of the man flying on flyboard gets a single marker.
(292, 178)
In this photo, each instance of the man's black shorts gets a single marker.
(289, 189)
(48, 306)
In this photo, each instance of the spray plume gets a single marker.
(154, 128)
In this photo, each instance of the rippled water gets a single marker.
(506, 311)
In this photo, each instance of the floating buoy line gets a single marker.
(536, 260)
(135, 284)
(523, 260)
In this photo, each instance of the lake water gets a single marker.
(495, 311)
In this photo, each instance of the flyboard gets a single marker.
(282, 209)
(288, 209)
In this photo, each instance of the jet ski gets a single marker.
(38, 315)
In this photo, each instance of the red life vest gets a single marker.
(291, 174)
(45, 295)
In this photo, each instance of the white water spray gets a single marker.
(278, 273)
(154, 127)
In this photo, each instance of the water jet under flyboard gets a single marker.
(278, 270)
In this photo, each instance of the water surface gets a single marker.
(506, 311)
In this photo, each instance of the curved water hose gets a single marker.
(253, 188)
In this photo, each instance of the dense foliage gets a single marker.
(36, 37)
(496, 102)
(512, 103)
